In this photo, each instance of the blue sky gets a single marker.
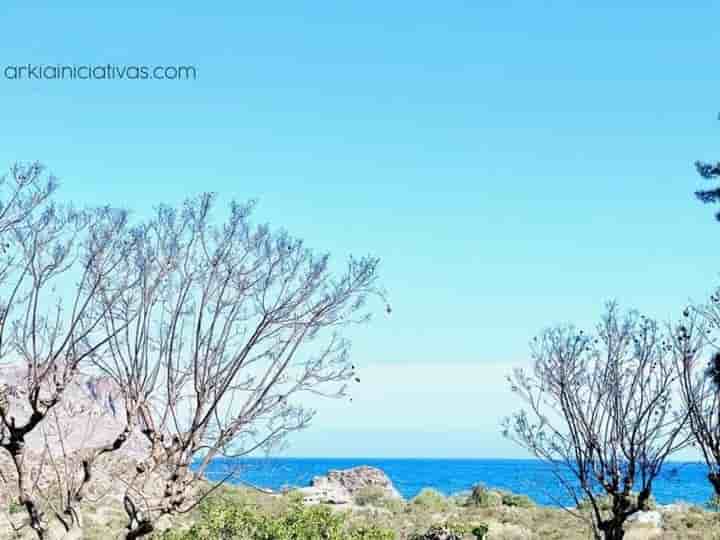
(513, 164)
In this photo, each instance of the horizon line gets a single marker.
(699, 461)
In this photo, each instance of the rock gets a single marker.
(644, 533)
(652, 517)
(339, 487)
(674, 507)
(357, 478)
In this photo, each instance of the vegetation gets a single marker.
(228, 508)
(376, 496)
(201, 323)
(297, 522)
(600, 412)
(523, 501)
(278, 517)
(700, 382)
(430, 500)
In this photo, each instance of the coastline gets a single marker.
(679, 482)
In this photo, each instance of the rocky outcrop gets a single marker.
(651, 518)
(358, 478)
(340, 487)
(680, 507)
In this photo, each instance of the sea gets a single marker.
(677, 482)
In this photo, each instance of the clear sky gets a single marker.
(514, 164)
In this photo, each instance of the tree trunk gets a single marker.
(143, 528)
(615, 534)
(35, 516)
(715, 481)
(612, 529)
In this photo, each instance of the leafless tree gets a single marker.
(230, 323)
(23, 192)
(700, 381)
(600, 413)
(57, 263)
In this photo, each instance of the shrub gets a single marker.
(522, 501)
(226, 521)
(294, 496)
(377, 497)
(480, 531)
(431, 500)
(370, 533)
(370, 496)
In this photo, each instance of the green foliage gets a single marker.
(370, 532)
(377, 497)
(522, 501)
(223, 520)
(483, 497)
(431, 500)
(294, 496)
(15, 507)
(369, 496)
(480, 531)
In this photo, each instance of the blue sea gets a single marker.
(678, 481)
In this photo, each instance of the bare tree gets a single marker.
(700, 381)
(230, 323)
(23, 192)
(600, 413)
(58, 262)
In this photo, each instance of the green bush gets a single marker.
(225, 521)
(370, 533)
(431, 500)
(522, 501)
(369, 496)
(377, 497)
(480, 531)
